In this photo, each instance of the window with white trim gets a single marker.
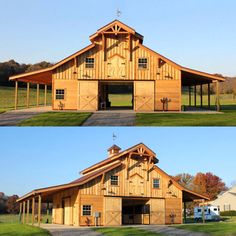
(156, 183)
(114, 180)
(86, 211)
(89, 62)
(142, 63)
(60, 94)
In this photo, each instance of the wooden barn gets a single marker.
(116, 59)
(125, 188)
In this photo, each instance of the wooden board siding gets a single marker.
(173, 207)
(70, 100)
(170, 89)
(112, 211)
(157, 211)
(118, 66)
(144, 95)
(96, 203)
(67, 211)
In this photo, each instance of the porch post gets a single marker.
(20, 213)
(209, 95)
(185, 213)
(201, 94)
(39, 209)
(33, 209)
(189, 95)
(23, 218)
(195, 95)
(27, 94)
(45, 95)
(217, 96)
(37, 95)
(27, 211)
(16, 94)
(203, 211)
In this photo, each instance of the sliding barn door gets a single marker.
(88, 95)
(112, 211)
(144, 95)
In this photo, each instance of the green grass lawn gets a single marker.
(7, 98)
(125, 231)
(57, 119)
(21, 230)
(120, 100)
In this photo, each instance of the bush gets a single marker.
(228, 213)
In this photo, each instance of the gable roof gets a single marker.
(118, 155)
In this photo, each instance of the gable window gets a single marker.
(114, 180)
(89, 62)
(142, 63)
(156, 183)
(60, 94)
(86, 210)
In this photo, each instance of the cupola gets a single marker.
(113, 150)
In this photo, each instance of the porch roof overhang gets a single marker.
(43, 76)
(190, 196)
(192, 77)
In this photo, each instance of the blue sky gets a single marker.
(39, 157)
(199, 33)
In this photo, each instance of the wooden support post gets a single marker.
(16, 94)
(185, 213)
(20, 213)
(45, 95)
(23, 218)
(217, 96)
(149, 162)
(195, 95)
(201, 94)
(209, 95)
(203, 211)
(104, 46)
(27, 211)
(27, 95)
(37, 95)
(39, 209)
(130, 47)
(189, 95)
(128, 164)
(33, 210)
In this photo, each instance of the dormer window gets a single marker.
(114, 180)
(142, 63)
(156, 183)
(89, 62)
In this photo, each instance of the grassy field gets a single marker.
(21, 230)
(126, 231)
(57, 119)
(226, 227)
(7, 98)
(120, 100)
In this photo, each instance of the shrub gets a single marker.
(228, 213)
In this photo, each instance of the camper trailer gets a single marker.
(210, 213)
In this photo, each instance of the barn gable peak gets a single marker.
(116, 27)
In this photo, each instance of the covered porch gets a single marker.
(193, 83)
(41, 79)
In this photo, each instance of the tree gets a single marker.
(12, 206)
(208, 184)
(185, 179)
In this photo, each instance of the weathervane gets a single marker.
(114, 137)
(118, 12)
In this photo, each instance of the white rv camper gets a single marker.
(210, 213)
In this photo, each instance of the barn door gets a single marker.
(144, 95)
(112, 211)
(116, 67)
(88, 95)
(67, 211)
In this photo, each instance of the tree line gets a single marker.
(8, 204)
(12, 67)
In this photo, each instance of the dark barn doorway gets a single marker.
(135, 211)
(115, 95)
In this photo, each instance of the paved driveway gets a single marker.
(63, 230)
(109, 118)
(13, 118)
